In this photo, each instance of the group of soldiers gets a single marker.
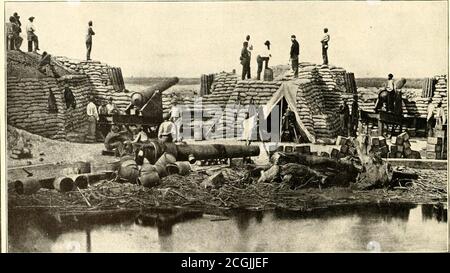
(390, 101)
(262, 58)
(14, 28)
(265, 55)
(14, 41)
(120, 138)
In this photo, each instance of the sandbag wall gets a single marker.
(321, 89)
(223, 83)
(99, 75)
(237, 104)
(28, 105)
(440, 91)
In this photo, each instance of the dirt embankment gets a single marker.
(46, 150)
(25, 65)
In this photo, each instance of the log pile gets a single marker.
(362, 170)
(206, 81)
(350, 83)
(401, 147)
(428, 88)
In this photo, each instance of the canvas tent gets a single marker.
(288, 91)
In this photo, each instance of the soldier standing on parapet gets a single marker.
(31, 35)
(18, 39)
(245, 61)
(90, 32)
(324, 41)
(250, 46)
(295, 51)
(264, 56)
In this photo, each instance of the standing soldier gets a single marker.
(18, 38)
(354, 116)
(92, 113)
(10, 34)
(325, 40)
(431, 121)
(31, 35)
(390, 87)
(295, 51)
(90, 32)
(264, 56)
(18, 20)
(245, 61)
(344, 117)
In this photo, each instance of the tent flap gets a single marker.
(288, 91)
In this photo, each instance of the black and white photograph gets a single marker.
(225, 126)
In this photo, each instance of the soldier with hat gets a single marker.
(31, 35)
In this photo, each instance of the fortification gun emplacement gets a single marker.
(144, 110)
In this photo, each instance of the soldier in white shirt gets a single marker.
(111, 107)
(31, 35)
(264, 56)
(167, 131)
(92, 113)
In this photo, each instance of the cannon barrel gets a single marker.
(140, 98)
(192, 153)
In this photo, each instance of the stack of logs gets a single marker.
(116, 78)
(428, 88)
(401, 147)
(350, 83)
(206, 84)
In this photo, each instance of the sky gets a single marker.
(187, 39)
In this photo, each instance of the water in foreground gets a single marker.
(345, 228)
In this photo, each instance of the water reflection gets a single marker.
(341, 228)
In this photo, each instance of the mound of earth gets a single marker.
(46, 150)
(25, 65)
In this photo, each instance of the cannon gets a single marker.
(393, 100)
(153, 150)
(145, 109)
(146, 100)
